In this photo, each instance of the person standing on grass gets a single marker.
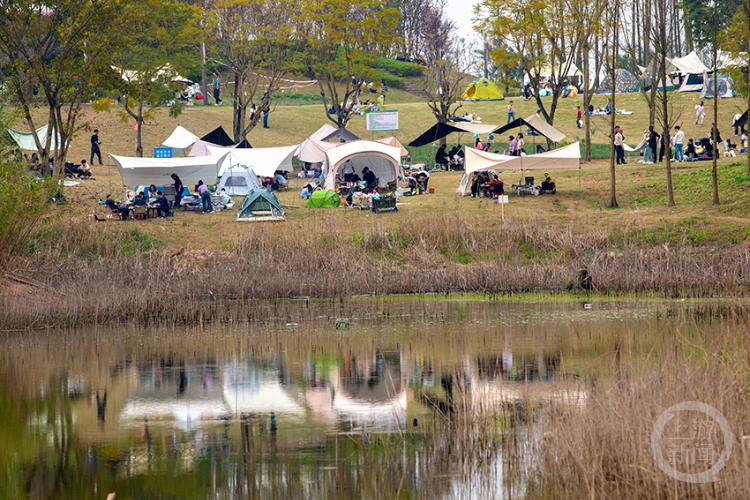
(700, 113)
(95, 151)
(520, 145)
(217, 88)
(265, 117)
(526, 85)
(619, 146)
(679, 141)
(512, 146)
(177, 190)
(578, 117)
(511, 112)
(737, 128)
(205, 197)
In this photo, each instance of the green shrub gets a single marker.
(399, 68)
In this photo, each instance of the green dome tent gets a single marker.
(482, 89)
(260, 205)
(323, 199)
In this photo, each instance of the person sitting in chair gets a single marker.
(368, 176)
(497, 187)
(162, 205)
(441, 157)
(223, 201)
(547, 184)
(111, 204)
(84, 171)
(140, 200)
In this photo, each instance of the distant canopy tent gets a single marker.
(136, 171)
(384, 161)
(200, 148)
(534, 122)
(264, 161)
(440, 130)
(260, 205)
(342, 134)
(238, 181)
(567, 157)
(179, 139)
(25, 140)
(482, 89)
(625, 82)
(393, 141)
(219, 137)
(313, 151)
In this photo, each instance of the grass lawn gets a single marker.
(641, 189)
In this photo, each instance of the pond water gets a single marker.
(412, 398)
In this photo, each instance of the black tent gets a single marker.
(434, 133)
(219, 137)
(244, 145)
(342, 134)
(518, 122)
(742, 121)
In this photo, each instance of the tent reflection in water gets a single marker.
(260, 205)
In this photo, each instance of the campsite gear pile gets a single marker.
(384, 203)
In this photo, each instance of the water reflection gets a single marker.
(403, 404)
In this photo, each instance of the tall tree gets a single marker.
(588, 20)
(715, 128)
(341, 38)
(255, 40)
(738, 44)
(448, 61)
(160, 42)
(542, 34)
(62, 51)
(667, 116)
(613, 42)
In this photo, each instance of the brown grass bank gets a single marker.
(75, 274)
(604, 449)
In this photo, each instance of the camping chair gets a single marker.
(522, 189)
(140, 212)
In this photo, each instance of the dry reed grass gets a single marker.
(603, 450)
(87, 275)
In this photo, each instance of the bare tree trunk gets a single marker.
(587, 102)
(714, 135)
(612, 73)
(204, 83)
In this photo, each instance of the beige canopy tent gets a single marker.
(381, 159)
(537, 123)
(393, 141)
(567, 157)
(314, 151)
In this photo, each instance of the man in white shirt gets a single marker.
(679, 141)
(348, 170)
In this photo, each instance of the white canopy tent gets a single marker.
(264, 161)
(690, 66)
(179, 139)
(25, 140)
(383, 160)
(567, 157)
(136, 171)
(546, 71)
(200, 148)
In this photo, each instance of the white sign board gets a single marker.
(502, 198)
(382, 121)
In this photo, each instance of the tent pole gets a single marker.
(109, 174)
(579, 176)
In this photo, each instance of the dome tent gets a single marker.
(323, 199)
(625, 82)
(238, 181)
(260, 205)
(482, 89)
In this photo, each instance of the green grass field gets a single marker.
(641, 188)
